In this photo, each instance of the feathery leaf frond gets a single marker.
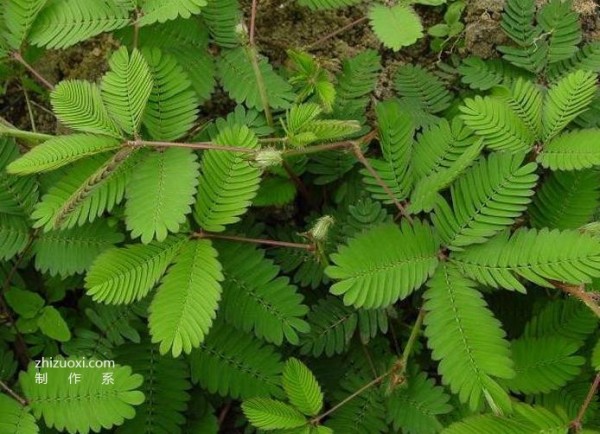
(467, 340)
(228, 181)
(160, 193)
(185, 304)
(256, 298)
(539, 256)
(62, 24)
(126, 88)
(78, 104)
(60, 151)
(383, 279)
(127, 274)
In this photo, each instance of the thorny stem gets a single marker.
(334, 33)
(12, 393)
(580, 293)
(206, 235)
(577, 423)
(398, 370)
(17, 56)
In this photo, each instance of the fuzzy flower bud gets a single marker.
(268, 157)
(321, 227)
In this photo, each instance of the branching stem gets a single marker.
(577, 423)
(335, 33)
(276, 243)
(12, 393)
(39, 77)
(580, 293)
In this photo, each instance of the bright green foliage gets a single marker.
(327, 4)
(566, 100)
(126, 89)
(171, 109)
(543, 364)
(228, 181)
(160, 194)
(15, 418)
(14, 235)
(501, 128)
(397, 250)
(239, 79)
(562, 24)
(73, 250)
(487, 198)
(362, 415)
(233, 363)
(572, 151)
(484, 74)
(325, 246)
(164, 10)
(96, 405)
(302, 388)
(527, 420)
(310, 78)
(19, 16)
(532, 255)
(183, 309)
(416, 408)
(64, 23)
(18, 195)
(439, 146)
(566, 200)
(78, 104)
(53, 325)
(396, 141)
(425, 194)
(222, 17)
(303, 127)
(126, 274)
(256, 299)
(83, 194)
(397, 26)
(467, 340)
(166, 384)
(269, 414)
(332, 325)
(420, 86)
(60, 151)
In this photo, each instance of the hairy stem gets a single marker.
(39, 77)
(198, 145)
(580, 293)
(204, 235)
(90, 184)
(397, 370)
(335, 33)
(577, 423)
(12, 393)
(25, 135)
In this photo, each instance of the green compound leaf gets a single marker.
(302, 388)
(398, 26)
(373, 267)
(96, 405)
